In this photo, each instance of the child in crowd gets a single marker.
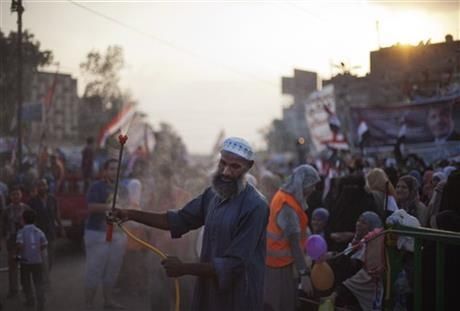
(11, 223)
(31, 242)
(319, 219)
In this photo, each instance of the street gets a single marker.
(67, 285)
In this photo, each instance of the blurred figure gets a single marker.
(448, 218)
(168, 195)
(103, 259)
(383, 192)
(87, 162)
(319, 219)
(392, 174)
(31, 244)
(353, 200)
(407, 198)
(438, 182)
(286, 235)
(357, 289)
(48, 219)
(132, 277)
(12, 222)
(43, 158)
(438, 177)
(427, 187)
(269, 183)
(58, 173)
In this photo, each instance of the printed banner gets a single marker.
(429, 121)
(324, 126)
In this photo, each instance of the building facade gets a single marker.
(57, 96)
(299, 87)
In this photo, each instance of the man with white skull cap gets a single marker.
(230, 274)
(239, 147)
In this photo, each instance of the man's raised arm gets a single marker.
(151, 219)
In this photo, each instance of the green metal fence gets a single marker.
(441, 238)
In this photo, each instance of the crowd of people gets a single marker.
(344, 206)
(251, 252)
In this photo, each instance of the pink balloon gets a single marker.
(316, 246)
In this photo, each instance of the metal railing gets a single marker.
(442, 238)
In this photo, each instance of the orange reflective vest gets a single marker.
(278, 248)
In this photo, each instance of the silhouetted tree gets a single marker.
(279, 138)
(102, 75)
(33, 59)
(103, 97)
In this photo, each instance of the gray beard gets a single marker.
(227, 189)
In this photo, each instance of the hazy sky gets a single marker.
(204, 66)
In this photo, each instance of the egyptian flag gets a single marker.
(120, 123)
(402, 132)
(363, 132)
(49, 96)
(333, 120)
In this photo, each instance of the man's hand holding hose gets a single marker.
(173, 266)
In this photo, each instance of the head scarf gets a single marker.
(412, 185)
(321, 213)
(372, 219)
(448, 169)
(376, 180)
(302, 177)
(439, 175)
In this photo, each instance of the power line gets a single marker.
(172, 45)
(311, 14)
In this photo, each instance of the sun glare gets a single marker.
(407, 27)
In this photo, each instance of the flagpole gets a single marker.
(16, 6)
(46, 107)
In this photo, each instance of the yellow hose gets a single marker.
(159, 253)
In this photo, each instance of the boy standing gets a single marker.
(31, 242)
(11, 223)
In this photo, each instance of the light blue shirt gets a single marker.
(31, 239)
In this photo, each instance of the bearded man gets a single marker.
(230, 274)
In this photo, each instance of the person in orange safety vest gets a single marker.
(286, 234)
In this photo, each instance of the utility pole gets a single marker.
(16, 6)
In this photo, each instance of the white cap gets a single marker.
(238, 146)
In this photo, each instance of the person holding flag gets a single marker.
(103, 258)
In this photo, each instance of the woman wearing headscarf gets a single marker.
(352, 201)
(286, 235)
(382, 190)
(319, 219)
(358, 290)
(447, 218)
(408, 199)
(438, 181)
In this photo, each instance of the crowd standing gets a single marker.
(256, 219)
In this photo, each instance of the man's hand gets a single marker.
(307, 287)
(341, 237)
(173, 266)
(118, 214)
